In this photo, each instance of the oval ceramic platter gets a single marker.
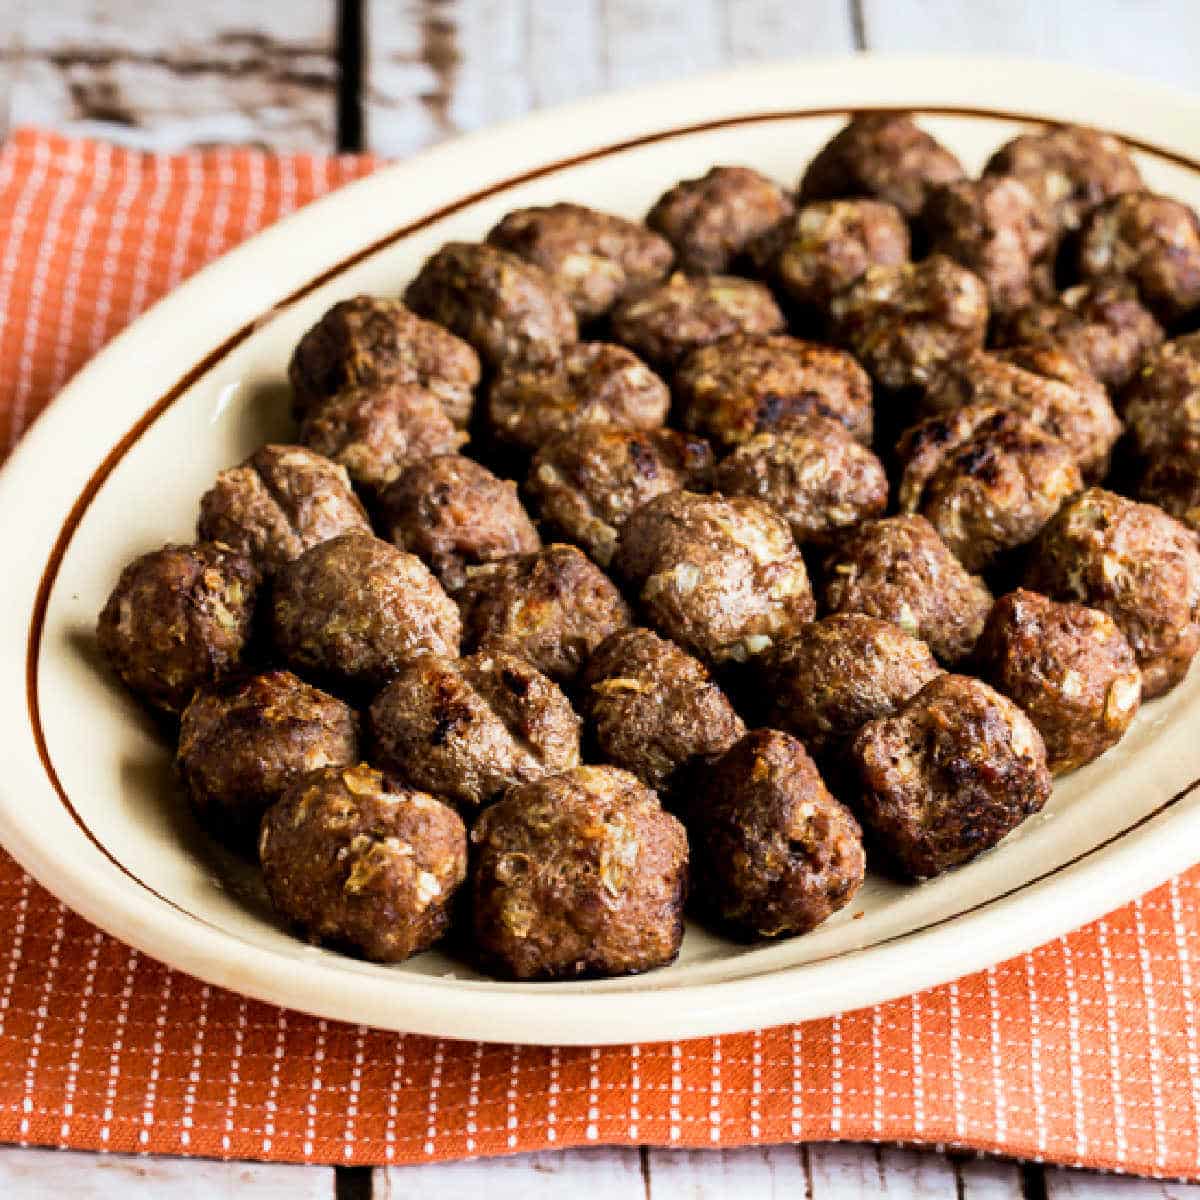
(118, 462)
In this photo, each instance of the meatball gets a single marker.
(1001, 231)
(904, 323)
(504, 306)
(654, 710)
(552, 608)
(467, 728)
(363, 864)
(663, 324)
(593, 383)
(1135, 563)
(900, 570)
(453, 514)
(817, 477)
(369, 342)
(179, 618)
(594, 258)
(720, 576)
(1102, 324)
(583, 485)
(576, 875)
(351, 610)
(1172, 481)
(1152, 241)
(748, 384)
(375, 432)
(773, 853)
(243, 743)
(1069, 168)
(1161, 406)
(278, 503)
(883, 155)
(840, 672)
(945, 778)
(711, 220)
(1069, 668)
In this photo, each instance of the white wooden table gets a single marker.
(395, 75)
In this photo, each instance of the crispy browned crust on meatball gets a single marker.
(179, 618)
(551, 608)
(352, 610)
(883, 155)
(578, 875)
(278, 503)
(748, 384)
(817, 477)
(904, 323)
(1172, 481)
(584, 484)
(241, 744)
(1068, 667)
(711, 220)
(593, 257)
(593, 383)
(368, 341)
(507, 308)
(773, 853)
(453, 514)
(719, 575)
(363, 864)
(1135, 563)
(945, 778)
(687, 311)
(467, 728)
(1161, 405)
(899, 570)
(840, 672)
(654, 710)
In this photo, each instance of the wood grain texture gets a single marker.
(1086, 1185)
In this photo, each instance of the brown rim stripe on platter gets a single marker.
(197, 372)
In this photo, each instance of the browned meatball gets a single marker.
(278, 503)
(583, 485)
(1069, 668)
(368, 342)
(453, 514)
(711, 220)
(353, 609)
(594, 383)
(748, 384)
(1070, 168)
(1161, 406)
(663, 324)
(243, 743)
(1135, 563)
(467, 728)
(773, 853)
(653, 709)
(363, 864)
(1154, 242)
(1172, 481)
(817, 477)
(900, 570)
(1001, 231)
(720, 576)
(945, 778)
(179, 618)
(577, 875)
(552, 608)
(376, 432)
(904, 323)
(884, 155)
(840, 672)
(593, 257)
(504, 306)
(1102, 324)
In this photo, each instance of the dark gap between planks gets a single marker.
(350, 47)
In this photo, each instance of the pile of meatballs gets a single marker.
(799, 530)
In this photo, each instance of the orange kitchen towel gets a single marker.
(1084, 1051)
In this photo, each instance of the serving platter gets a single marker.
(118, 462)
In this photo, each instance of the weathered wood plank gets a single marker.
(760, 30)
(1062, 1184)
